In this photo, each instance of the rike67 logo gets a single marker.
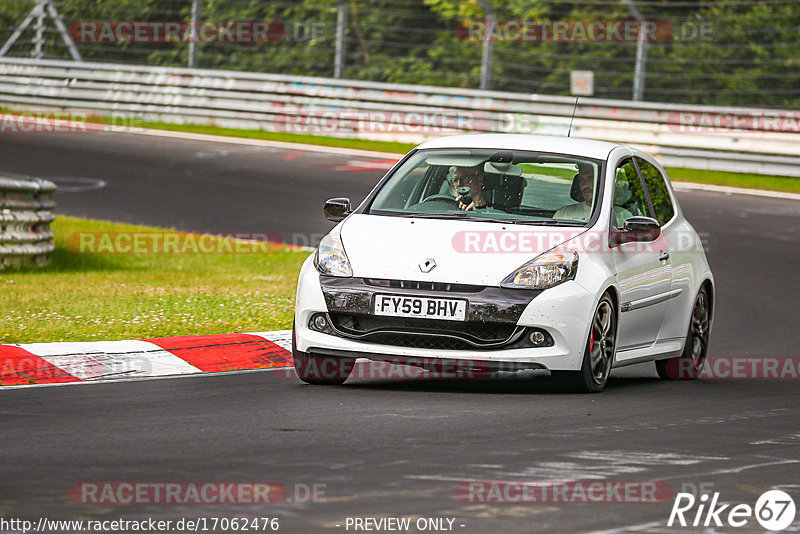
(774, 510)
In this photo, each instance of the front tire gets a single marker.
(598, 355)
(689, 364)
(320, 370)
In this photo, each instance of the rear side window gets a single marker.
(657, 187)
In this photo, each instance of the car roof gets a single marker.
(539, 143)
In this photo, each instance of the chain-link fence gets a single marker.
(716, 52)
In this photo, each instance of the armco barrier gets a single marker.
(706, 137)
(26, 206)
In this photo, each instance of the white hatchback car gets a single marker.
(509, 252)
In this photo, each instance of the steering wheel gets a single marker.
(440, 197)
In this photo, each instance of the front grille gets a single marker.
(431, 286)
(486, 304)
(425, 333)
(420, 342)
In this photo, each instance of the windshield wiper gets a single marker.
(462, 216)
(459, 215)
(551, 222)
(465, 216)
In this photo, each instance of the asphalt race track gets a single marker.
(382, 447)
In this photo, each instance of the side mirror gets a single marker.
(637, 229)
(336, 209)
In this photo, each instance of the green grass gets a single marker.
(735, 179)
(92, 296)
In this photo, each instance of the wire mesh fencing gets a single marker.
(728, 53)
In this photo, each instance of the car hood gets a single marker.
(465, 252)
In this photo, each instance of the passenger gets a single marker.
(581, 211)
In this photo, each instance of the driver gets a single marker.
(471, 177)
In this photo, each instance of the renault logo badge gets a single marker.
(428, 265)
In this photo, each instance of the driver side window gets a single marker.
(629, 198)
(435, 182)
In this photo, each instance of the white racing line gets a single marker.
(263, 143)
(76, 184)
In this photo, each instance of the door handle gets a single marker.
(664, 256)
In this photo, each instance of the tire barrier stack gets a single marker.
(26, 211)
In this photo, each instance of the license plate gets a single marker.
(424, 307)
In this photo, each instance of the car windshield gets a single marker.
(492, 185)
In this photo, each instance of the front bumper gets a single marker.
(563, 311)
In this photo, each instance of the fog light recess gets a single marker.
(319, 322)
(539, 338)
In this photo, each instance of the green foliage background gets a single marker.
(749, 55)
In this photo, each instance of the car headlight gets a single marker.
(331, 259)
(545, 270)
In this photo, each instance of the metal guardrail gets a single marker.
(744, 140)
(26, 206)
